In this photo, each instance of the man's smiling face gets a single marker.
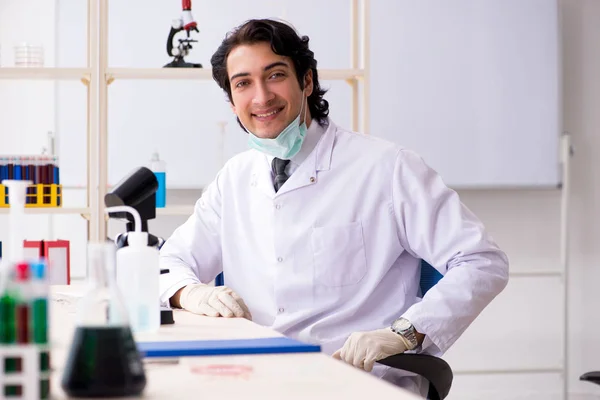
(265, 92)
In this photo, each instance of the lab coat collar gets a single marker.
(318, 159)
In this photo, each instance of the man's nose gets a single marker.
(263, 95)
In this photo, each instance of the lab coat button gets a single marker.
(312, 179)
(279, 259)
(281, 309)
(278, 206)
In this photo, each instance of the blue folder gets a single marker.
(225, 347)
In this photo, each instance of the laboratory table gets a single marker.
(264, 376)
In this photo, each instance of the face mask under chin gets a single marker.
(289, 141)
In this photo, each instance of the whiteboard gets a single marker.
(473, 86)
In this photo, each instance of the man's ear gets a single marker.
(233, 108)
(308, 83)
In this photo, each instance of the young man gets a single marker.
(320, 231)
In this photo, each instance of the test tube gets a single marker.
(56, 180)
(8, 326)
(37, 163)
(56, 170)
(23, 304)
(38, 170)
(39, 314)
(27, 177)
(3, 168)
(39, 285)
(31, 168)
(11, 168)
(4, 176)
(8, 306)
(18, 168)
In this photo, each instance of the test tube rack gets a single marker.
(24, 372)
(37, 196)
(24, 346)
(42, 171)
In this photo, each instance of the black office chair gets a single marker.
(593, 377)
(434, 369)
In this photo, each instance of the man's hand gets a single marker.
(363, 349)
(218, 301)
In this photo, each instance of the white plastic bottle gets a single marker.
(159, 167)
(138, 275)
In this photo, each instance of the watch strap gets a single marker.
(408, 336)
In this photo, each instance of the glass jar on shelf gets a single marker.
(29, 55)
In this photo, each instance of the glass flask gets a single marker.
(103, 360)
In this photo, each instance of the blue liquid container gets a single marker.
(159, 168)
(161, 193)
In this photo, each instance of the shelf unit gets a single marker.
(97, 77)
(82, 74)
(182, 210)
(89, 76)
(83, 211)
(355, 75)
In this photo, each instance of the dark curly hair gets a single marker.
(285, 42)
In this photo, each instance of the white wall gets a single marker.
(26, 108)
(522, 328)
(581, 103)
(526, 225)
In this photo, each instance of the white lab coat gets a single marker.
(337, 249)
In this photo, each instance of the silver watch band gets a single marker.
(407, 332)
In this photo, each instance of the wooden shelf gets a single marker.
(45, 73)
(206, 73)
(183, 210)
(52, 210)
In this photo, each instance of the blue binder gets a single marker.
(225, 347)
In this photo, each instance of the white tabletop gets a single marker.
(269, 376)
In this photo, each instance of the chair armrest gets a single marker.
(434, 369)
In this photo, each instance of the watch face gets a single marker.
(402, 324)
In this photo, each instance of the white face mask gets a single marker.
(287, 144)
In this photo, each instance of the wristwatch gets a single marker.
(404, 328)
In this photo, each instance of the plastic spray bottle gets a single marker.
(138, 275)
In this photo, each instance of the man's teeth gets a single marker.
(268, 114)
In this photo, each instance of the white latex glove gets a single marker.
(219, 301)
(363, 349)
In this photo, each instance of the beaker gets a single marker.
(103, 359)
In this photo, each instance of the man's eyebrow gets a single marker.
(241, 74)
(275, 64)
(268, 67)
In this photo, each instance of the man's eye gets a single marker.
(277, 75)
(241, 84)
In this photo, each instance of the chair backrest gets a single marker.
(437, 371)
(220, 280)
(429, 277)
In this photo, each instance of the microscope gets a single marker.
(184, 23)
(138, 190)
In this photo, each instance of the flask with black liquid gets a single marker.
(103, 360)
